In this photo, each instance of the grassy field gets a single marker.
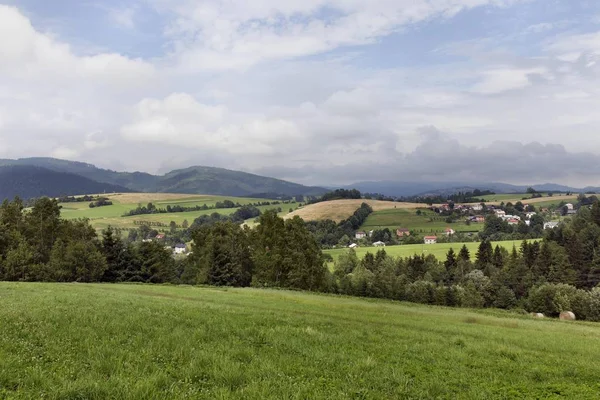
(102, 217)
(439, 249)
(427, 222)
(77, 341)
(338, 210)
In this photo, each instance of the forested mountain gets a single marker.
(193, 180)
(28, 181)
(227, 182)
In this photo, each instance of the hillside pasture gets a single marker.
(428, 222)
(338, 210)
(158, 342)
(496, 199)
(102, 217)
(439, 250)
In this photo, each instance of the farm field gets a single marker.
(439, 249)
(496, 199)
(141, 341)
(102, 217)
(338, 210)
(428, 222)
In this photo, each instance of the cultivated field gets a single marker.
(102, 217)
(496, 199)
(78, 341)
(439, 249)
(338, 210)
(428, 222)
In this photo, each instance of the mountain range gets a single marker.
(34, 177)
(411, 188)
(41, 176)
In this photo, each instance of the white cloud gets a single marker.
(501, 79)
(124, 16)
(216, 34)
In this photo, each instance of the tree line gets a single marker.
(151, 208)
(558, 273)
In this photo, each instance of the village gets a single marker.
(476, 214)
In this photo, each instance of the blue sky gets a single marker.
(316, 91)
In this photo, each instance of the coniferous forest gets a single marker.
(557, 273)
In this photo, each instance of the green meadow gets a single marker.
(80, 341)
(427, 222)
(102, 217)
(439, 249)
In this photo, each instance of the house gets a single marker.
(160, 236)
(500, 213)
(477, 207)
(480, 219)
(371, 233)
(379, 244)
(530, 214)
(360, 235)
(353, 246)
(551, 225)
(430, 239)
(513, 221)
(401, 232)
(450, 231)
(569, 206)
(179, 248)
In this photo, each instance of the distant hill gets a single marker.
(192, 180)
(405, 189)
(27, 181)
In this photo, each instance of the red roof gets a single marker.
(431, 237)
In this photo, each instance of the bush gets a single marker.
(551, 299)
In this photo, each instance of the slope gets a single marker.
(142, 341)
(192, 180)
(28, 181)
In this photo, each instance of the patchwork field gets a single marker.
(102, 217)
(78, 341)
(439, 249)
(338, 210)
(427, 222)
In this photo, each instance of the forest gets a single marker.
(557, 273)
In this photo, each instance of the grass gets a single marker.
(439, 249)
(338, 210)
(428, 222)
(102, 217)
(77, 341)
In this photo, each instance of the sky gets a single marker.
(313, 91)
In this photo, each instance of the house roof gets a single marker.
(431, 237)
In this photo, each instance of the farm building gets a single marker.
(430, 239)
(401, 232)
(379, 244)
(179, 248)
(551, 225)
(360, 235)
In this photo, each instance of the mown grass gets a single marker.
(75, 341)
(439, 249)
(428, 222)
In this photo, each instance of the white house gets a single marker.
(360, 235)
(353, 246)
(379, 244)
(477, 207)
(179, 248)
(569, 206)
(450, 231)
(500, 213)
(430, 239)
(530, 214)
(551, 225)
